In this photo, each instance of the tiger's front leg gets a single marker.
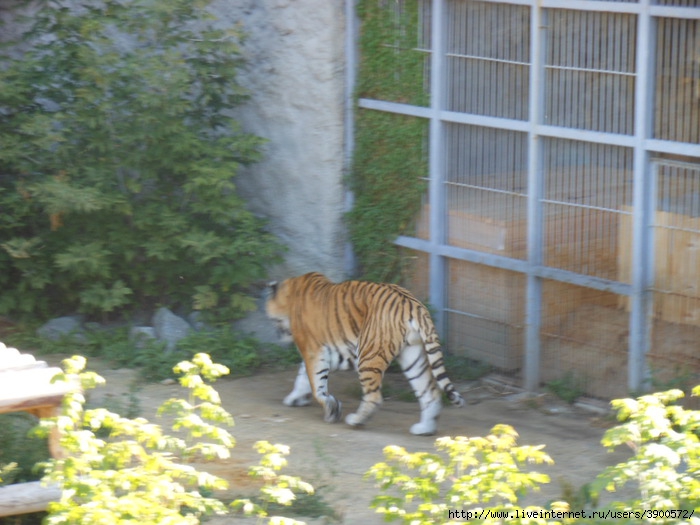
(300, 396)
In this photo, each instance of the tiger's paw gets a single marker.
(354, 420)
(293, 400)
(455, 398)
(423, 429)
(332, 410)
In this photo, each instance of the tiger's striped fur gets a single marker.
(366, 326)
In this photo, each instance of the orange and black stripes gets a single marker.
(367, 325)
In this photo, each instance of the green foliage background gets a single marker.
(117, 158)
(19, 456)
(390, 163)
(122, 470)
(490, 477)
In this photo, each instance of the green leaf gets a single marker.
(105, 299)
(88, 260)
(22, 248)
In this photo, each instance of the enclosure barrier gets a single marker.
(558, 239)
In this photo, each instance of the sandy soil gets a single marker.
(334, 457)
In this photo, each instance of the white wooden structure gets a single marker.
(25, 385)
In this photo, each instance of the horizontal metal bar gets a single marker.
(581, 5)
(482, 318)
(484, 121)
(414, 243)
(512, 2)
(667, 11)
(588, 281)
(584, 206)
(588, 5)
(395, 107)
(464, 254)
(488, 59)
(486, 188)
(677, 148)
(515, 265)
(400, 48)
(675, 228)
(672, 163)
(607, 7)
(581, 135)
(446, 116)
(524, 126)
(592, 70)
(487, 259)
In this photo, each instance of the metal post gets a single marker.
(533, 307)
(436, 166)
(351, 53)
(643, 208)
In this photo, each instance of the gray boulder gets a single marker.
(169, 327)
(62, 328)
(258, 325)
(195, 320)
(139, 334)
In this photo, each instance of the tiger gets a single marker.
(365, 326)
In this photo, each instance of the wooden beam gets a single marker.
(23, 498)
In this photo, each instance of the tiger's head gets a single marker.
(277, 309)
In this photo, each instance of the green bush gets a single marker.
(129, 469)
(482, 475)
(120, 470)
(117, 158)
(242, 355)
(467, 474)
(278, 489)
(567, 388)
(665, 467)
(19, 456)
(227, 346)
(21, 459)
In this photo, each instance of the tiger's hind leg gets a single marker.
(301, 393)
(416, 368)
(317, 372)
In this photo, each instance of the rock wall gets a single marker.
(295, 73)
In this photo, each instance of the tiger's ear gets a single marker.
(272, 285)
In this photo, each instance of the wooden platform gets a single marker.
(26, 385)
(676, 269)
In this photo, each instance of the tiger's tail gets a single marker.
(433, 350)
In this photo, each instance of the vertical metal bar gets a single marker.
(533, 307)
(438, 208)
(351, 53)
(643, 202)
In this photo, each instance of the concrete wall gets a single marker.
(295, 73)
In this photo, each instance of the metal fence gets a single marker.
(560, 238)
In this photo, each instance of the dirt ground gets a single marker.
(334, 457)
